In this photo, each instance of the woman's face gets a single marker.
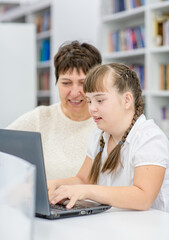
(72, 97)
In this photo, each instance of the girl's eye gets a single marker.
(100, 100)
(88, 101)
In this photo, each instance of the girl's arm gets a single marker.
(80, 178)
(146, 186)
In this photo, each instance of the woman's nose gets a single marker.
(75, 91)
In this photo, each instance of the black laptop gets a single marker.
(28, 145)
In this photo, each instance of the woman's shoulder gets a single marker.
(47, 109)
(44, 112)
(30, 120)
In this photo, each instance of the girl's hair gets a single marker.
(123, 79)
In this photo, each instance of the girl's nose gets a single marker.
(92, 108)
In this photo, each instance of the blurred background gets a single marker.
(134, 32)
(31, 32)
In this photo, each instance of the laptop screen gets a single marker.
(28, 146)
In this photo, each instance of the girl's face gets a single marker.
(108, 108)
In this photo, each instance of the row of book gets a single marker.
(42, 21)
(139, 69)
(164, 76)
(161, 29)
(164, 121)
(128, 39)
(164, 112)
(5, 8)
(114, 6)
(43, 101)
(45, 50)
(44, 80)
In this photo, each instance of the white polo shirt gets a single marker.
(146, 144)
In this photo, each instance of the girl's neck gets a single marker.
(122, 127)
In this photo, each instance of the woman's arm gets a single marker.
(146, 186)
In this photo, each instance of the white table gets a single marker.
(115, 224)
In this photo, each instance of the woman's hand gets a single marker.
(71, 192)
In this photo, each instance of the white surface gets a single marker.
(73, 20)
(17, 71)
(114, 224)
(17, 198)
(20, 224)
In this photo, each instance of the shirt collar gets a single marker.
(135, 127)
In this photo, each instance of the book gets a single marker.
(44, 80)
(126, 39)
(161, 30)
(164, 76)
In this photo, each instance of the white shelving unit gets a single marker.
(151, 56)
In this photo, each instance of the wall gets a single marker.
(74, 20)
(17, 71)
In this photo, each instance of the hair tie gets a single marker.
(101, 149)
(120, 143)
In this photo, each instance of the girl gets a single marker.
(128, 156)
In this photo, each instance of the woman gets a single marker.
(127, 163)
(65, 126)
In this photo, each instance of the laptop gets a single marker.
(28, 145)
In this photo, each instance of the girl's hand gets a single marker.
(52, 185)
(71, 192)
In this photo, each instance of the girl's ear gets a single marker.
(128, 99)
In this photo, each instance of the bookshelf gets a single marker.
(67, 22)
(7, 5)
(38, 13)
(117, 18)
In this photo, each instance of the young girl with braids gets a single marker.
(127, 163)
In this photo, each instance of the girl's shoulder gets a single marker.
(145, 129)
(96, 133)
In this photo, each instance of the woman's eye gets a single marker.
(65, 83)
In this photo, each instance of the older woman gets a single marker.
(65, 126)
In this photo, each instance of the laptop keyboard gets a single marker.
(62, 207)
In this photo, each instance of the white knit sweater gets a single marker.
(64, 141)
